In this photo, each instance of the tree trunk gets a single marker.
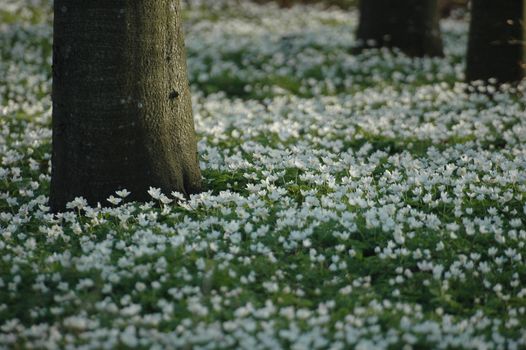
(122, 114)
(495, 48)
(410, 25)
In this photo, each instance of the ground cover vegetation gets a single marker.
(364, 200)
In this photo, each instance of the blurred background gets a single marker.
(446, 6)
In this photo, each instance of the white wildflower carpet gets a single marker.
(367, 201)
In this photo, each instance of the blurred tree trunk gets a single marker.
(122, 115)
(496, 35)
(410, 25)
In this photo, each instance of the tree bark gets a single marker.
(496, 35)
(122, 114)
(410, 25)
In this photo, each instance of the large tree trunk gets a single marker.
(410, 25)
(122, 115)
(495, 48)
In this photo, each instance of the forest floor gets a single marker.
(370, 201)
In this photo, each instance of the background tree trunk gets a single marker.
(410, 25)
(496, 34)
(122, 115)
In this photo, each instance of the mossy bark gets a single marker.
(410, 25)
(496, 41)
(122, 114)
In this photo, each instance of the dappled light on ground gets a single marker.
(368, 201)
